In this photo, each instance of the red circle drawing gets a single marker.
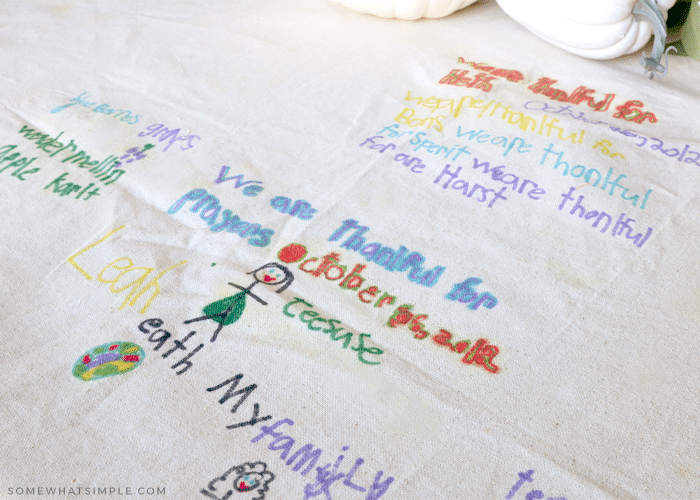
(292, 253)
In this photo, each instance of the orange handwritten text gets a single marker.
(509, 74)
(480, 352)
(631, 111)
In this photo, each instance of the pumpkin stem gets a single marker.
(649, 11)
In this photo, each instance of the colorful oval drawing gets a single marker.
(107, 360)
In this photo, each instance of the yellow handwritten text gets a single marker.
(122, 275)
(546, 126)
(604, 148)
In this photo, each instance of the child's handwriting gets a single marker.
(123, 276)
(124, 115)
(171, 136)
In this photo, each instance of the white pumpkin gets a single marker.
(596, 29)
(406, 9)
